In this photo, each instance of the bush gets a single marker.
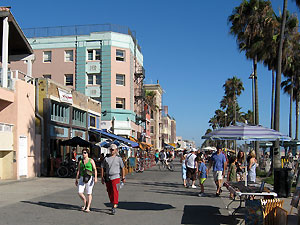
(260, 173)
(269, 180)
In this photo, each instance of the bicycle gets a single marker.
(170, 166)
(67, 170)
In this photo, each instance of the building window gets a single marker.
(59, 113)
(120, 55)
(93, 54)
(69, 79)
(120, 79)
(152, 129)
(69, 56)
(92, 121)
(47, 55)
(94, 79)
(78, 118)
(120, 103)
(47, 76)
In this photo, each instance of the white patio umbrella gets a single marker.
(247, 133)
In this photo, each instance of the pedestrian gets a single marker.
(203, 171)
(252, 164)
(191, 167)
(218, 161)
(183, 167)
(156, 156)
(86, 164)
(232, 172)
(114, 173)
(240, 166)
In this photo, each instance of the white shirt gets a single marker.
(190, 160)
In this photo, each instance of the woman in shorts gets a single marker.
(88, 164)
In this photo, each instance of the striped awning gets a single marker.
(246, 132)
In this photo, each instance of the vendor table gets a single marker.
(245, 192)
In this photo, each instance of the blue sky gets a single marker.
(186, 46)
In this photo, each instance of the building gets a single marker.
(103, 62)
(19, 145)
(155, 94)
(65, 114)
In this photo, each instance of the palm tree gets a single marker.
(233, 88)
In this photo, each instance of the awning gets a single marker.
(115, 137)
(168, 146)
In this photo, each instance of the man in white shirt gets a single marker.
(192, 167)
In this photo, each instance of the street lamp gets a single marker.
(252, 76)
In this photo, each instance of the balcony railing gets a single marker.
(12, 76)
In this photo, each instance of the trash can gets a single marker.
(282, 182)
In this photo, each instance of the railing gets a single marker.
(13, 75)
(4, 127)
(77, 30)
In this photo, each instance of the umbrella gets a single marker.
(75, 141)
(246, 132)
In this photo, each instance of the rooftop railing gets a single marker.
(77, 30)
(13, 75)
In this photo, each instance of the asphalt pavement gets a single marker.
(151, 197)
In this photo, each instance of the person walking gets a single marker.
(183, 167)
(114, 173)
(86, 184)
(191, 168)
(218, 161)
(202, 175)
(156, 156)
(252, 164)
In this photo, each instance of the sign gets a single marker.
(56, 131)
(65, 96)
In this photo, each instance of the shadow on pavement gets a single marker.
(142, 206)
(194, 214)
(55, 205)
(156, 184)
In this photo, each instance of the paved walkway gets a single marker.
(152, 197)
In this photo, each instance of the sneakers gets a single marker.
(201, 194)
(113, 211)
(194, 186)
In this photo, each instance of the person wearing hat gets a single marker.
(191, 167)
(114, 172)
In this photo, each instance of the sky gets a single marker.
(186, 46)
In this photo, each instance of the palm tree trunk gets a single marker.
(256, 113)
(291, 108)
(276, 149)
(272, 99)
(297, 117)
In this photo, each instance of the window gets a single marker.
(92, 121)
(79, 118)
(59, 113)
(120, 103)
(120, 79)
(93, 54)
(47, 76)
(94, 79)
(69, 79)
(47, 55)
(120, 55)
(69, 56)
(152, 129)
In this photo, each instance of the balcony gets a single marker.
(140, 73)
(12, 76)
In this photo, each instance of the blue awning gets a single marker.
(115, 137)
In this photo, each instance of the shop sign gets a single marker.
(65, 96)
(78, 133)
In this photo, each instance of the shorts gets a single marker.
(202, 180)
(191, 173)
(218, 175)
(88, 187)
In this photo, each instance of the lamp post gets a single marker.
(225, 126)
(253, 96)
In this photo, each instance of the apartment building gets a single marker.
(103, 62)
(155, 115)
(19, 145)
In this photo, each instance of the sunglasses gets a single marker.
(84, 152)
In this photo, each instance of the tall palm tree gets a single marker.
(233, 88)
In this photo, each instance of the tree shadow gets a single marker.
(151, 206)
(60, 206)
(197, 214)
